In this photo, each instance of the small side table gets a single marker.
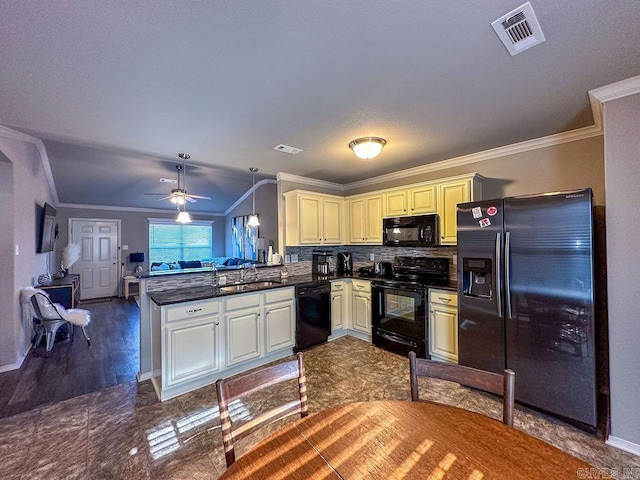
(128, 280)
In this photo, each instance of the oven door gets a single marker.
(399, 309)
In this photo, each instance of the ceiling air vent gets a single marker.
(287, 149)
(519, 29)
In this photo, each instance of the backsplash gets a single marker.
(360, 255)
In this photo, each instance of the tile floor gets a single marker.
(124, 432)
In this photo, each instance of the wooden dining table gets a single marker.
(403, 440)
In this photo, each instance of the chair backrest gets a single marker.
(231, 389)
(44, 307)
(502, 385)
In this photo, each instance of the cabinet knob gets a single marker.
(266, 312)
(216, 323)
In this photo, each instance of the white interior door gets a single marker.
(98, 264)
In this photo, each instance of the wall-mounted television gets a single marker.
(47, 229)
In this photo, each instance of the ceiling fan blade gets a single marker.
(165, 198)
(155, 193)
(189, 199)
(201, 197)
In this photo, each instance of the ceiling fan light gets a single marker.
(253, 221)
(367, 147)
(183, 217)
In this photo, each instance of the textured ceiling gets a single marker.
(117, 89)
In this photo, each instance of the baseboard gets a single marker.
(623, 444)
(16, 365)
(144, 376)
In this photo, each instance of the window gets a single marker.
(171, 242)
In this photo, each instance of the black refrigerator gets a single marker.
(526, 298)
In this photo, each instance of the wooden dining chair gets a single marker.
(502, 385)
(234, 388)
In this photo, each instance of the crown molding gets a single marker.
(515, 148)
(247, 193)
(130, 209)
(598, 96)
(23, 137)
(289, 177)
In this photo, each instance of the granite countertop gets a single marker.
(191, 294)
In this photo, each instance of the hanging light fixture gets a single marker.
(253, 218)
(183, 215)
(367, 147)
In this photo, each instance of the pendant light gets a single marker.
(253, 218)
(367, 147)
(183, 215)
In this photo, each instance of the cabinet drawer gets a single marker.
(235, 302)
(188, 310)
(337, 286)
(278, 295)
(361, 285)
(443, 297)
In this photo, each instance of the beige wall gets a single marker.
(567, 166)
(27, 180)
(622, 168)
(267, 210)
(135, 230)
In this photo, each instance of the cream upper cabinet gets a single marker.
(413, 201)
(452, 192)
(396, 203)
(313, 219)
(365, 219)
(423, 199)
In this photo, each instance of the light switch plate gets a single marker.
(287, 259)
(294, 257)
(372, 257)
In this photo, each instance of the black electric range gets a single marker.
(399, 304)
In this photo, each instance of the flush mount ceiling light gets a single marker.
(367, 147)
(253, 218)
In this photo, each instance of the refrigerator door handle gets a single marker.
(498, 275)
(507, 273)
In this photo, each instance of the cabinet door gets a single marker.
(337, 304)
(451, 194)
(395, 204)
(310, 220)
(279, 320)
(331, 221)
(373, 210)
(443, 332)
(423, 200)
(243, 336)
(361, 312)
(357, 221)
(192, 349)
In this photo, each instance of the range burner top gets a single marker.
(421, 270)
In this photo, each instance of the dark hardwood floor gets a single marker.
(73, 368)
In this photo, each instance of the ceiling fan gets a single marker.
(179, 195)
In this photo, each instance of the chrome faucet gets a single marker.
(255, 272)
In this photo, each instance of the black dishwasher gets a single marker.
(313, 318)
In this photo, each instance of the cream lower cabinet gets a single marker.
(443, 325)
(340, 315)
(244, 335)
(361, 306)
(279, 319)
(365, 219)
(188, 344)
(258, 324)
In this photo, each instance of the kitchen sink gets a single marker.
(244, 287)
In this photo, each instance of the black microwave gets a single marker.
(418, 231)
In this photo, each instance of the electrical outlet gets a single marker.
(17, 250)
(372, 257)
(125, 247)
(222, 279)
(287, 259)
(294, 258)
(455, 259)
